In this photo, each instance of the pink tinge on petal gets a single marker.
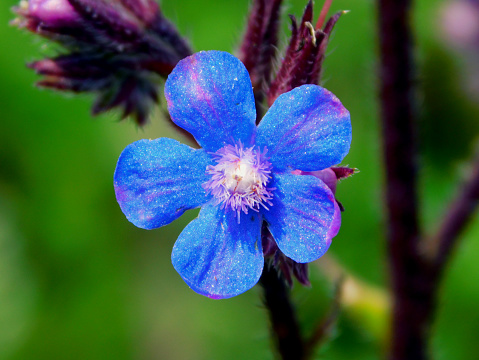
(328, 176)
(52, 12)
(336, 224)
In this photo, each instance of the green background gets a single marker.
(78, 281)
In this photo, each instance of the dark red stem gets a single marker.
(409, 273)
(284, 325)
(455, 220)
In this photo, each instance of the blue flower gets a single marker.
(241, 177)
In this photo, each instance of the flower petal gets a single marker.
(158, 180)
(216, 256)
(304, 216)
(307, 128)
(209, 94)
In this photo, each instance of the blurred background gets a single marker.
(78, 281)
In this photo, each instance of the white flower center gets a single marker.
(239, 179)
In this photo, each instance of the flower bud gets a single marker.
(258, 48)
(304, 55)
(52, 13)
(329, 176)
(117, 49)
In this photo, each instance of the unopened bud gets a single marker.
(52, 13)
(302, 62)
(118, 49)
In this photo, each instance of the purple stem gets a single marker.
(455, 220)
(415, 274)
(284, 325)
(409, 275)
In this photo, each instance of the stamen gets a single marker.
(239, 179)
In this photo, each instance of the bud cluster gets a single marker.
(258, 49)
(304, 55)
(118, 49)
(303, 58)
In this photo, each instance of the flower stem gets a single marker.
(284, 325)
(455, 220)
(412, 292)
(416, 271)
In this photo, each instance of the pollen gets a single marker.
(239, 180)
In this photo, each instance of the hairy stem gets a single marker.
(409, 275)
(284, 325)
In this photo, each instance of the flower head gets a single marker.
(243, 175)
